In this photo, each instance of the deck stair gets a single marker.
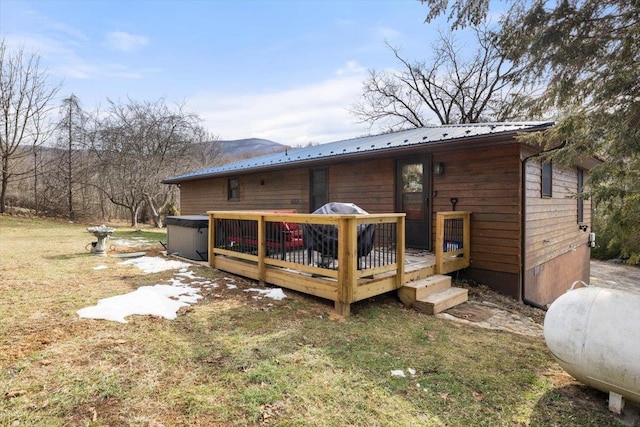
(432, 294)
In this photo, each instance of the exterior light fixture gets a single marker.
(438, 168)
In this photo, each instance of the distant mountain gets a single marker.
(249, 147)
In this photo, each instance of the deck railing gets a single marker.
(343, 258)
(453, 241)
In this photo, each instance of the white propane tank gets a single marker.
(594, 334)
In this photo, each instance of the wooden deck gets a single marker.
(343, 258)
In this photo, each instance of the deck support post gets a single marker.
(400, 250)
(211, 242)
(347, 264)
(342, 309)
(262, 250)
(439, 251)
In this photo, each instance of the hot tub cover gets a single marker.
(190, 221)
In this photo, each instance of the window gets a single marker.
(233, 189)
(580, 191)
(547, 181)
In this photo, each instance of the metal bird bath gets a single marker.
(102, 233)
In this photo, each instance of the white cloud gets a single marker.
(60, 30)
(352, 67)
(316, 112)
(63, 60)
(388, 33)
(125, 42)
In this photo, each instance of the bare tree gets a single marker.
(25, 96)
(205, 154)
(449, 87)
(137, 144)
(68, 159)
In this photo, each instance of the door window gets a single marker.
(412, 191)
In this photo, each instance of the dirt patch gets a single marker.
(22, 345)
(471, 312)
(104, 411)
(484, 295)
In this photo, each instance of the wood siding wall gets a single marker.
(552, 222)
(368, 184)
(280, 190)
(552, 233)
(486, 181)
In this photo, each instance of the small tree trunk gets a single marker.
(5, 180)
(3, 196)
(133, 210)
(35, 180)
(155, 213)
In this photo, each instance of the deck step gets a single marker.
(418, 289)
(442, 300)
(418, 271)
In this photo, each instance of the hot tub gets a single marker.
(187, 236)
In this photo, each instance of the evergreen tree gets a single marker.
(586, 57)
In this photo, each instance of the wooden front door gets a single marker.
(413, 188)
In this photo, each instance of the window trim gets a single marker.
(580, 200)
(546, 179)
(233, 191)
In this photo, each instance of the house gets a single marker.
(529, 231)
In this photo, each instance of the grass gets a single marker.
(232, 360)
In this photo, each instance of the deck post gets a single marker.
(342, 309)
(466, 237)
(400, 251)
(439, 250)
(347, 264)
(211, 242)
(262, 250)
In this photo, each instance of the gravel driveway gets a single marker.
(608, 274)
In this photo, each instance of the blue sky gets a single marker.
(281, 70)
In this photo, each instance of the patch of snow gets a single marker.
(398, 373)
(155, 264)
(157, 300)
(188, 275)
(230, 286)
(275, 293)
(128, 243)
(100, 267)
(412, 372)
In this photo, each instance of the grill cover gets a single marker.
(324, 238)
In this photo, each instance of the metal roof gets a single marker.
(349, 147)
